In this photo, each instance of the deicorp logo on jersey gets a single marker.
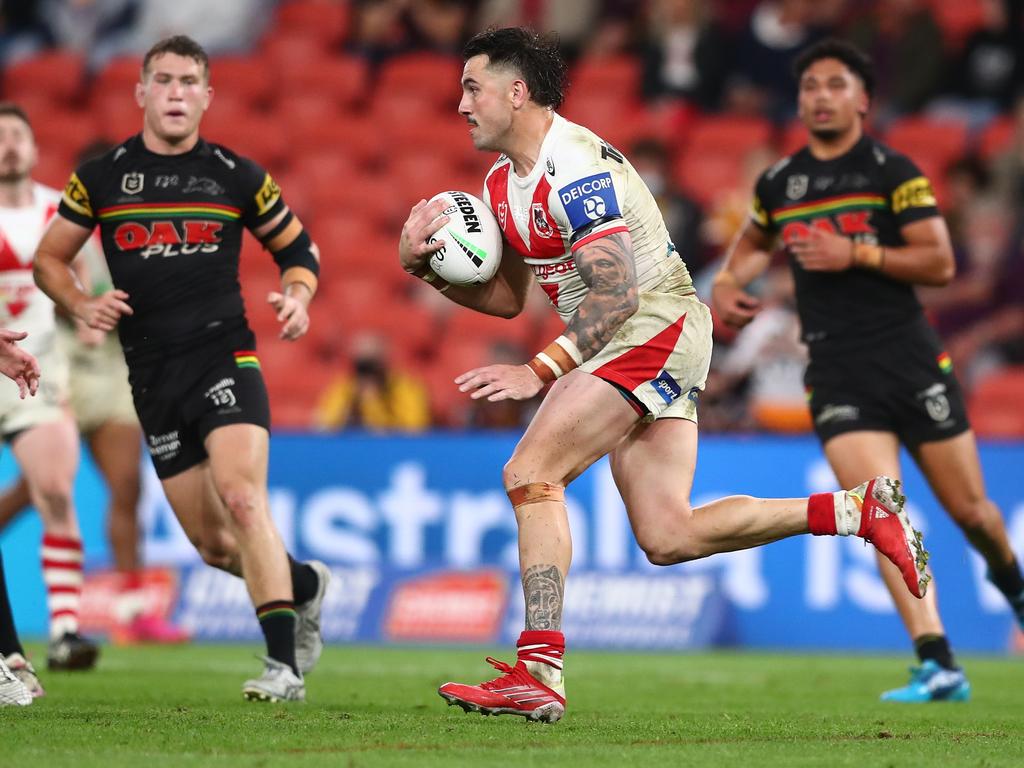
(589, 199)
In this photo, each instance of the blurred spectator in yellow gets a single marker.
(373, 395)
(905, 43)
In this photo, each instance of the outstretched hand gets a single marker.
(291, 312)
(500, 382)
(17, 364)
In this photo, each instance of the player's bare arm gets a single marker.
(504, 295)
(926, 259)
(299, 259)
(608, 268)
(17, 364)
(748, 257)
(55, 277)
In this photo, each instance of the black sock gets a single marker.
(936, 648)
(277, 620)
(9, 642)
(305, 582)
(1008, 579)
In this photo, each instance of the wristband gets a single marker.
(725, 277)
(430, 277)
(557, 359)
(868, 256)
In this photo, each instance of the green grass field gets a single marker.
(156, 707)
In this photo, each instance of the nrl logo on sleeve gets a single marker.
(132, 183)
(796, 186)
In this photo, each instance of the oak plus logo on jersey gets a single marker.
(169, 238)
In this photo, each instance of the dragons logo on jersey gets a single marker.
(540, 220)
(132, 183)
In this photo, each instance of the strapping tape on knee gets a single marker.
(532, 493)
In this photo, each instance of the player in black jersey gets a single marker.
(860, 226)
(171, 209)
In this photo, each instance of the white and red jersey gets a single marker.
(23, 307)
(580, 189)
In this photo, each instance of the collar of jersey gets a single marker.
(557, 125)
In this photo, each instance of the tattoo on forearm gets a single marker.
(543, 587)
(608, 268)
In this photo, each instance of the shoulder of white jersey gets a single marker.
(47, 194)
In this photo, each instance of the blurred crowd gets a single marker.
(950, 83)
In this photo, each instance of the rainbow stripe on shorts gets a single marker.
(945, 362)
(247, 359)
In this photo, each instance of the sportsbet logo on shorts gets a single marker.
(589, 199)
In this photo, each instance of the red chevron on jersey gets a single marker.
(9, 260)
(497, 187)
(643, 363)
(545, 239)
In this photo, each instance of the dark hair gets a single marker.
(535, 57)
(180, 45)
(853, 57)
(10, 109)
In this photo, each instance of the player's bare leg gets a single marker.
(582, 419)
(854, 457)
(48, 457)
(198, 508)
(953, 469)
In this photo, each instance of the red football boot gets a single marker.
(884, 522)
(516, 692)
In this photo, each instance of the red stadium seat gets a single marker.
(995, 405)
(58, 75)
(259, 137)
(997, 137)
(941, 141)
(735, 135)
(958, 19)
(322, 20)
(706, 175)
(432, 77)
(445, 137)
(117, 115)
(287, 51)
(618, 74)
(793, 138)
(418, 177)
(359, 136)
(243, 77)
(54, 168)
(609, 114)
(336, 80)
(119, 76)
(64, 131)
(464, 325)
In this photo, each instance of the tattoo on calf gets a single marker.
(543, 587)
(608, 268)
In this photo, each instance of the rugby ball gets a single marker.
(472, 240)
